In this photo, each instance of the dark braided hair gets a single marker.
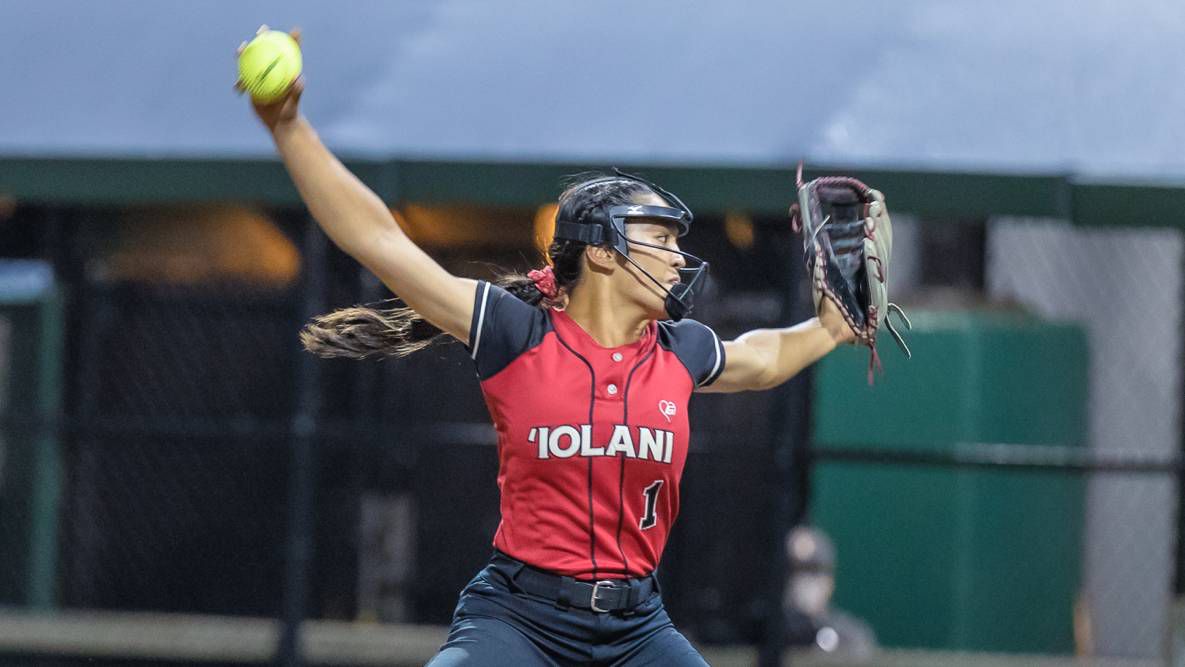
(362, 332)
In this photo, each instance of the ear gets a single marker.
(600, 258)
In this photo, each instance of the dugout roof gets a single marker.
(1018, 106)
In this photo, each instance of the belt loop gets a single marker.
(633, 598)
(637, 593)
(509, 567)
(563, 596)
(646, 588)
(516, 568)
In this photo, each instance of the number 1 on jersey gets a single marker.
(649, 519)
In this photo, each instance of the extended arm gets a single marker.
(360, 224)
(358, 221)
(765, 358)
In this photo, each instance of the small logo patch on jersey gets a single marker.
(667, 408)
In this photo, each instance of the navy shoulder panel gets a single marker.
(502, 328)
(696, 346)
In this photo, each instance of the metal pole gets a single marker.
(1179, 569)
(1175, 655)
(48, 469)
(95, 315)
(302, 478)
(789, 441)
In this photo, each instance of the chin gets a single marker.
(652, 302)
(659, 312)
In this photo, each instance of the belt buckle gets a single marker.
(597, 587)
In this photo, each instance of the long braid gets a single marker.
(367, 331)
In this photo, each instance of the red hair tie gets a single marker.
(544, 280)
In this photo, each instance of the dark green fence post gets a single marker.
(789, 442)
(303, 475)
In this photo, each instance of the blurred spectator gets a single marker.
(807, 602)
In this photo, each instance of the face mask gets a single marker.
(601, 227)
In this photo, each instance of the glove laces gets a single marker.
(894, 308)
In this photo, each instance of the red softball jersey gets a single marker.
(591, 440)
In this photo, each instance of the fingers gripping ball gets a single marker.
(268, 65)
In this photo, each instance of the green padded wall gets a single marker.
(945, 557)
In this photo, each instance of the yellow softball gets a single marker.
(268, 65)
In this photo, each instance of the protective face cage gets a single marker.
(606, 226)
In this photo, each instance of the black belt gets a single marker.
(602, 596)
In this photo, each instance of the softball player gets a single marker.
(586, 366)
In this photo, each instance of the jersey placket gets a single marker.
(611, 374)
(625, 420)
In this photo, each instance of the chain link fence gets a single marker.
(177, 464)
(1113, 492)
(177, 412)
(1125, 286)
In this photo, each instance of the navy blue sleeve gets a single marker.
(696, 346)
(503, 327)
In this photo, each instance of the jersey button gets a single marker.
(617, 356)
(612, 389)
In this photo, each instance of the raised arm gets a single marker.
(765, 358)
(358, 221)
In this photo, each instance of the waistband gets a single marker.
(606, 595)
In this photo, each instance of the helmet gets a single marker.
(605, 225)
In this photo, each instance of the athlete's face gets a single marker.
(657, 261)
